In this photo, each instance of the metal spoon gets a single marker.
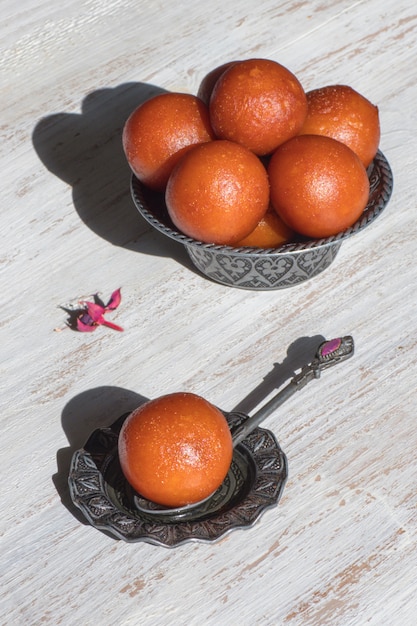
(329, 353)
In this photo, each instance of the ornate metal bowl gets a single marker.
(265, 269)
(254, 483)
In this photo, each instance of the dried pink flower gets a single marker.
(93, 314)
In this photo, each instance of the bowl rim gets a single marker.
(379, 171)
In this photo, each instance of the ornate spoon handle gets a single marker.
(329, 353)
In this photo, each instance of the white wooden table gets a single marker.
(340, 548)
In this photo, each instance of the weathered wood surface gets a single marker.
(341, 546)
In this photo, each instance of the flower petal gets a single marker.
(85, 324)
(110, 324)
(95, 311)
(114, 301)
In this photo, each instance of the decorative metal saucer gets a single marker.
(255, 480)
(254, 483)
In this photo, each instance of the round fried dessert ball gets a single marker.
(206, 86)
(340, 112)
(158, 133)
(258, 103)
(218, 192)
(319, 186)
(270, 232)
(175, 450)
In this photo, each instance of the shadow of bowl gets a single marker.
(85, 151)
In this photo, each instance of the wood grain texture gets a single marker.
(341, 546)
